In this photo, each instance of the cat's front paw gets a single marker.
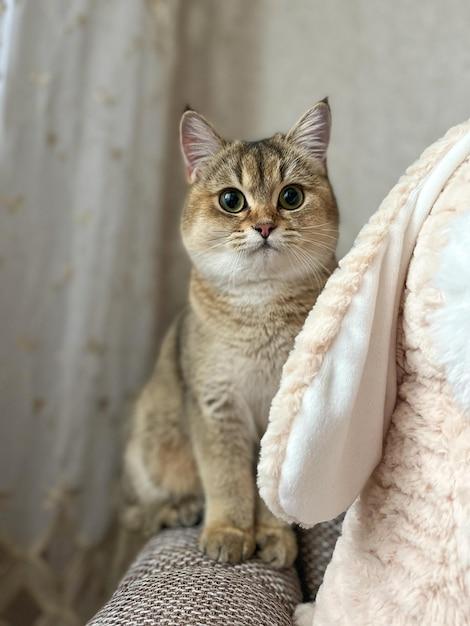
(227, 544)
(277, 545)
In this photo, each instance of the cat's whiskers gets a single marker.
(322, 235)
(316, 225)
(316, 261)
(319, 229)
(317, 242)
(235, 265)
(307, 253)
(290, 255)
(314, 243)
(237, 240)
(321, 250)
(313, 226)
(206, 250)
(310, 272)
(311, 262)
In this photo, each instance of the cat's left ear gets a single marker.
(199, 142)
(312, 131)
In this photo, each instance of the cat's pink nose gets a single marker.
(265, 229)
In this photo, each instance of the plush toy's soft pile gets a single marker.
(386, 351)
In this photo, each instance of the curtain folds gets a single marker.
(84, 290)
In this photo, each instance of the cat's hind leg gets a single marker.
(150, 506)
(161, 478)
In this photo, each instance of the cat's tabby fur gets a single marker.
(198, 422)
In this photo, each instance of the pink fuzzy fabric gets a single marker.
(293, 482)
(404, 555)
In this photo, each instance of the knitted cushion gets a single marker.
(316, 547)
(172, 584)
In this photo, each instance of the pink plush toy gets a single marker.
(373, 410)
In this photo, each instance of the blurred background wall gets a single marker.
(91, 187)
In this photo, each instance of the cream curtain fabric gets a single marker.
(87, 281)
(91, 185)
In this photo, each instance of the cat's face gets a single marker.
(260, 210)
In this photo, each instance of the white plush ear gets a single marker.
(450, 324)
(199, 142)
(338, 387)
(312, 131)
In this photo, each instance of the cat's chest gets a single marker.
(255, 390)
(257, 376)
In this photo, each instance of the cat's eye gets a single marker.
(291, 197)
(232, 200)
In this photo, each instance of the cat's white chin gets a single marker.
(234, 269)
(264, 247)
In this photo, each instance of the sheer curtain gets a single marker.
(91, 186)
(86, 273)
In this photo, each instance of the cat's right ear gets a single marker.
(312, 131)
(199, 142)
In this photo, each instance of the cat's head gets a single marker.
(259, 210)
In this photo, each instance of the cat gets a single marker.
(260, 225)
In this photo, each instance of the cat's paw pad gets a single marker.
(184, 512)
(227, 544)
(171, 514)
(277, 545)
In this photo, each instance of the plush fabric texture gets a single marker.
(403, 558)
(406, 540)
(449, 323)
(173, 584)
(339, 384)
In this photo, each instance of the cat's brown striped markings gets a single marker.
(260, 225)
